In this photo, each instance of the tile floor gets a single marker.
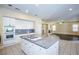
(65, 48)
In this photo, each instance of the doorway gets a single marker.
(44, 29)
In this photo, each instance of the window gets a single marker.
(54, 28)
(74, 27)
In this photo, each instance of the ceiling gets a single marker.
(50, 12)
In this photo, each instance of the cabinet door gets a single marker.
(8, 21)
(32, 49)
(5, 21)
(24, 24)
(12, 21)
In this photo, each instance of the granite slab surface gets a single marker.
(44, 42)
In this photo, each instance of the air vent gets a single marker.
(17, 8)
(9, 5)
(36, 15)
(13, 7)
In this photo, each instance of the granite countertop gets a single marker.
(44, 42)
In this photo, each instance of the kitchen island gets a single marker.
(33, 45)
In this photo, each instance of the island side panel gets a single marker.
(30, 48)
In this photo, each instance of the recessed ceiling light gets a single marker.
(36, 5)
(70, 9)
(27, 11)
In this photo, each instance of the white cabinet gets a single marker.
(8, 21)
(24, 24)
(8, 31)
(33, 49)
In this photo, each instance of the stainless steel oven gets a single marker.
(9, 36)
(9, 33)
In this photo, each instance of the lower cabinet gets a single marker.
(33, 49)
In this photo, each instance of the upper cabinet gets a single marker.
(24, 24)
(18, 23)
(8, 21)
